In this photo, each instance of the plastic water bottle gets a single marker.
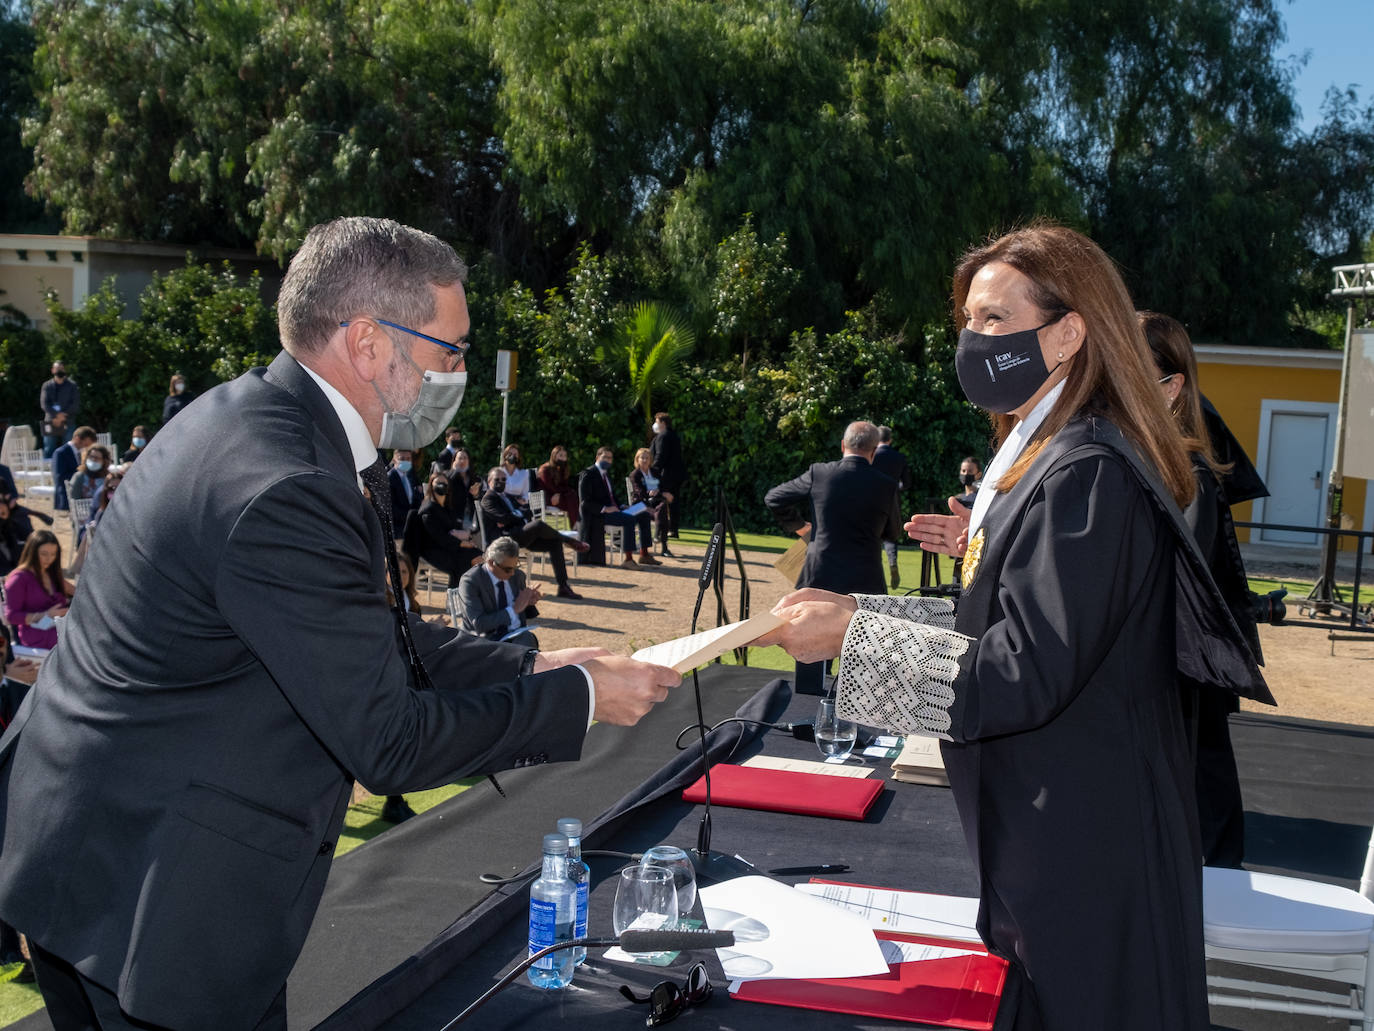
(553, 909)
(581, 875)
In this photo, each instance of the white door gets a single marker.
(1295, 458)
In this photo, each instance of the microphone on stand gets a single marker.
(710, 867)
(676, 940)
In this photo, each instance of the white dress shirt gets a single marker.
(1007, 455)
(516, 620)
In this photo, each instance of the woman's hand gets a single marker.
(947, 535)
(814, 624)
(462, 535)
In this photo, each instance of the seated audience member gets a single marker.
(18, 677)
(500, 518)
(106, 494)
(410, 597)
(137, 444)
(517, 478)
(970, 473)
(95, 463)
(555, 480)
(8, 488)
(445, 544)
(12, 536)
(646, 487)
(453, 440)
(20, 517)
(496, 600)
(464, 486)
(66, 460)
(36, 592)
(596, 498)
(406, 495)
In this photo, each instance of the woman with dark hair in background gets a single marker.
(555, 480)
(36, 592)
(465, 487)
(445, 544)
(1056, 685)
(1221, 813)
(177, 397)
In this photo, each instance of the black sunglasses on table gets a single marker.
(667, 1000)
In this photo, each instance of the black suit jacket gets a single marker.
(499, 519)
(174, 786)
(401, 506)
(852, 509)
(666, 462)
(481, 613)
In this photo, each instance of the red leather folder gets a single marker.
(958, 991)
(788, 791)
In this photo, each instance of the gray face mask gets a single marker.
(429, 414)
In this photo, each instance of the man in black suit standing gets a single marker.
(172, 790)
(891, 462)
(453, 440)
(496, 600)
(666, 462)
(844, 510)
(406, 494)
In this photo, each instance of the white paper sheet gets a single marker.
(911, 912)
(775, 762)
(686, 653)
(785, 933)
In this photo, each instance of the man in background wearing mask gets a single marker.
(137, 443)
(191, 793)
(406, 494)
(453, 440)
(60, 399)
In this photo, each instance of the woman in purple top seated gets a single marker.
(36, 593)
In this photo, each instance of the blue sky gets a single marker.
(1339, 37)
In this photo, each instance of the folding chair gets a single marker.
(1288, 925)
(541, 511)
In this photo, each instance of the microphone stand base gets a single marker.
(713, 867)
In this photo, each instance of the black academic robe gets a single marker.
(1069, 762)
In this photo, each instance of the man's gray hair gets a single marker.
(502, 547)
(860, 436)
(361, 266)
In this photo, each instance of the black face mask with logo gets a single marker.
(1002, 372)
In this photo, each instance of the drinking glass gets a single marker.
(834, 736)
(645, 900)
(673, 859)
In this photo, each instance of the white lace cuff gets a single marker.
(898, 675)
(912, 607)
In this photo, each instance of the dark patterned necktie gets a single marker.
(374, 479)
(501, 595)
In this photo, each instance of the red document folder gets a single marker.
(788, 791)
(959, 991)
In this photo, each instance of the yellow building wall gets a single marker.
(1238, 391)
(25, 284)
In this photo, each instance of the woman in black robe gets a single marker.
(1055, 685)
(445, 543)
(1221, 813)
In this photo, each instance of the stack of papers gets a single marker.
(687, 653)
(920, 762)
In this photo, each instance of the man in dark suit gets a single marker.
(496, 600)
(406, 494)
(171, 792)
(891, 462)
(66, 460)
(598, 508)
(443, 461)
(844, 510)
(666, 462)
(500, 518)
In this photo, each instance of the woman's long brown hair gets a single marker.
(1172, 351)
(1112, 373)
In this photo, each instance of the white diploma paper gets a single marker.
(687, 653)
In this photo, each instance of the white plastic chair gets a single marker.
(539, 510)
(1288, 925)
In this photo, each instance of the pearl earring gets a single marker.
(1061, 356)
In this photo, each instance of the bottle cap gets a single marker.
(571, 826)
(555, 844)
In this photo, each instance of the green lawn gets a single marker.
(1298, 589)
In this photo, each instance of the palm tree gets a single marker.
(653, 343)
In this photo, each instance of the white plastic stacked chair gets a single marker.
(1292, 926)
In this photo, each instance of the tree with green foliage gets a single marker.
(650, 345)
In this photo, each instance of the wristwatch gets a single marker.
(527, 663)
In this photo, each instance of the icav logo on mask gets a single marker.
(1010, 360)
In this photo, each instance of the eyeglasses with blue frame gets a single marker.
(460, 348)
